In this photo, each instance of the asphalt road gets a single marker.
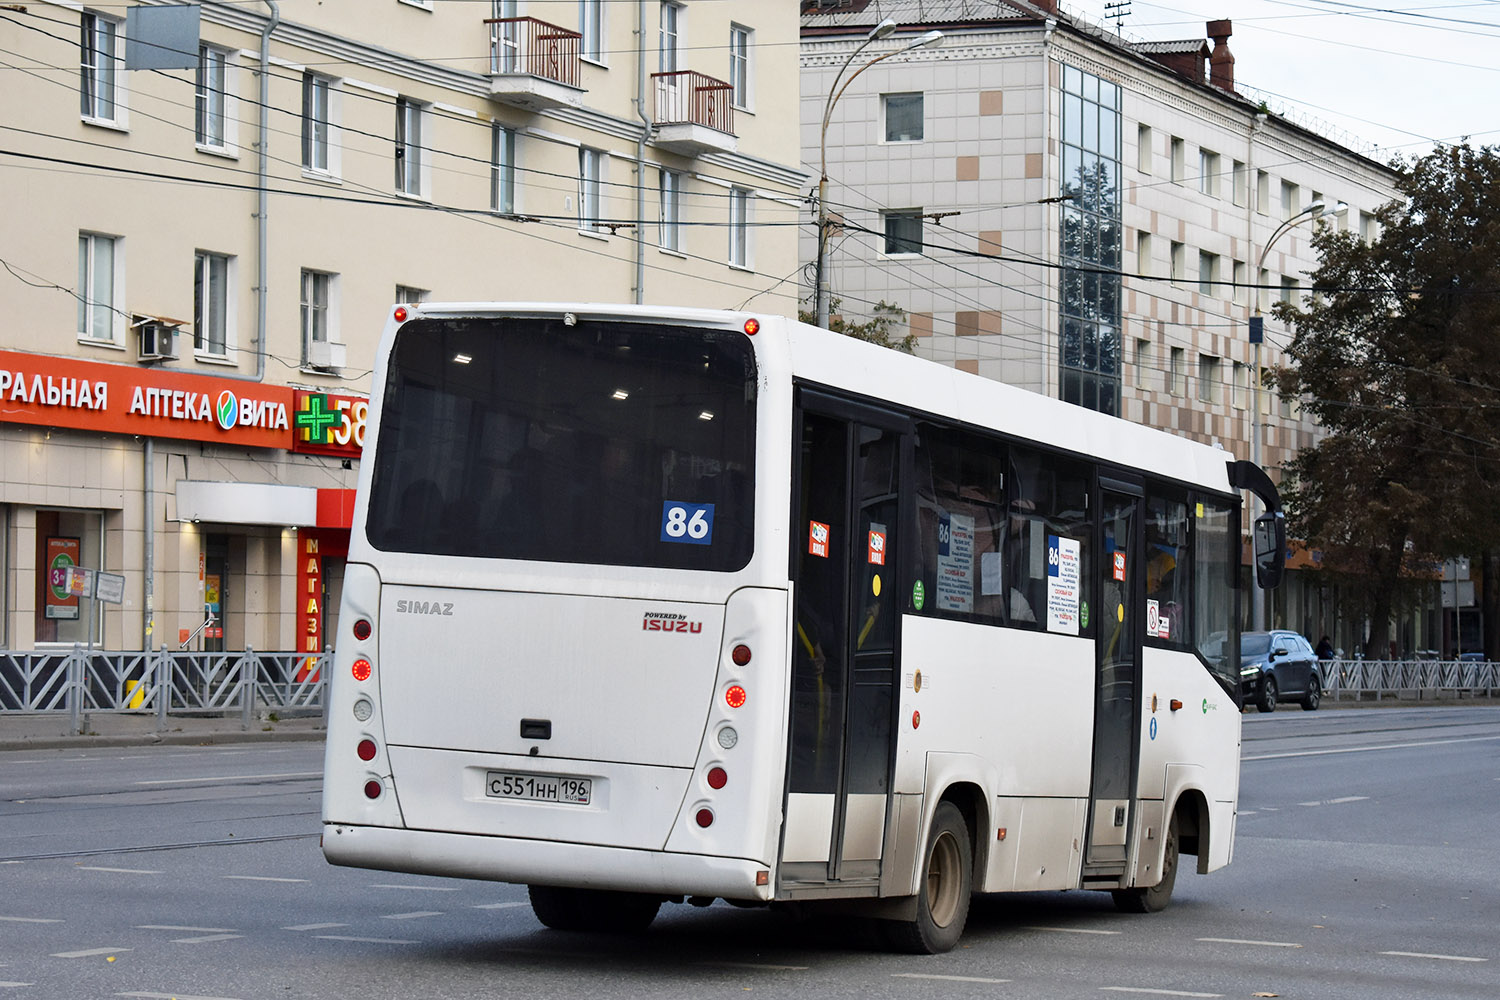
(1365, 867)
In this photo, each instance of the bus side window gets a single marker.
(1168, 571)
(961, 526)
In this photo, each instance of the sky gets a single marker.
(1398, 73)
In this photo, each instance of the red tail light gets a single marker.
(717, 777)
(362, 629)
(372, 789)
(366, 750)
(735, 696)
(740, 655)
(705, 817)
(362, 669)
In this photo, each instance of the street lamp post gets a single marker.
(1316, 210)
(835, 91)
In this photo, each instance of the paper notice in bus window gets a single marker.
(990, 581)
(817, 539)
(955, 576)
(1063, 584)
(877, 545)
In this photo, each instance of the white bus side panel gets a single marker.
(1021, 701)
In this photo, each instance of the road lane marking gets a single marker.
(1073, 930)
(7, 985)
(172, 927)
(90, 952)
(262, 878)
(1441, 958)
(1337, 802)
(951, 979)
(232, 777)
(362, 940)
(207, 939)
(30, 920)
(1263, 944)
(1383, 746)
(169, 996)
(499, 906)
(1159, 993)
(415, 915)
(121, 871)
(313, 927)
(419, 888)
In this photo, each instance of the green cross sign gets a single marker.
(317, 419)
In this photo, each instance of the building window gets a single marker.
(590, 175)
(739, 65)
(1241, 283)
(99, 46)
(317, 298)
(1241, 181)
(96, 287)
(1143, 363)
(407, 295)
(211, 303)
(1143, 148)
(739, 227)
(210, 99)
(1178, 261)
(1142, 252)
(1208, 273)
(671, 210)
(410, 160)
(1288, 199)
(1092, 239)
(1262, 192)
(315, 122)
(1177, 373)
(903, 117)
(671, 18)
(1262, 286)
(903, 231)
(1208, 379)
(1290, 289)
(1241, 388)
(591, 26)
(502, 170)
(1208, 172)
(1179, 160)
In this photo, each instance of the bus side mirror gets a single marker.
(1270, 549)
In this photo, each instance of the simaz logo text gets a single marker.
(424, 608)
(656, 621)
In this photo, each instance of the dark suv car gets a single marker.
(1279, 665)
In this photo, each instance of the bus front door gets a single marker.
(844, 664)
(1116, 694)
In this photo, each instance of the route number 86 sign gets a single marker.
(687, 523)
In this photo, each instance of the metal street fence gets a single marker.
(1421, 680)
(79, 682)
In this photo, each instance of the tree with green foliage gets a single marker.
(1397, 356)
(878, 330)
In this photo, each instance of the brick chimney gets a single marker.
(1221, 60)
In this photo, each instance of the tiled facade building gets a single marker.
(1082, 216)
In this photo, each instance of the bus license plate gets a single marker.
(538, 787)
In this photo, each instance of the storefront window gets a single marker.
(65, 538)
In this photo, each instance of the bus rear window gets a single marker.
(609, 443)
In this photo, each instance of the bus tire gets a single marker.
(564, 909)
(1153, 899)
(947, 880)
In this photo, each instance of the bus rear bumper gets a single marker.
(543, 862)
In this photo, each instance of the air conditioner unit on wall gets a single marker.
(156, 338)
(325, 354)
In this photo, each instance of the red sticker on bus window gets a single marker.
(1120, 566)
(817, 539)
(877, 547)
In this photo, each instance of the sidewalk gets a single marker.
(52, 731)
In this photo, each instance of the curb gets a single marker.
(167, 738)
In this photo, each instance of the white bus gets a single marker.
(650, 605)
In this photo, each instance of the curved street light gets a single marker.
(835, 91)
(1314, 211)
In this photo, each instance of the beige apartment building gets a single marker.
(211, 208)
(1083, 216)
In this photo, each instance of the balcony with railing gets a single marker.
(534, 65)
(694, 113)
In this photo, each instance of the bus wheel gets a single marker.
(947, 881)
(565, 909)
(1155, 898)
